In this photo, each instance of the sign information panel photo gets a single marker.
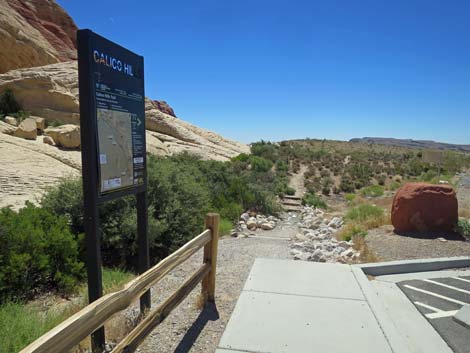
(119, 114)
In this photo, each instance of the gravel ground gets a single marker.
(188, 329)
(388, 246)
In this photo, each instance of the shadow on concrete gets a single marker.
(209, 313)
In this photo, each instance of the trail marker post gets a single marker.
(112, 124)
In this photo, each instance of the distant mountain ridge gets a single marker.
(388, 141)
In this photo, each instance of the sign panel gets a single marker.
(112, 123)
(118, 113)
(430, 156)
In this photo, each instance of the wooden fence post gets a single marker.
(210, 255)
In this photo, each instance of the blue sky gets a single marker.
(274, 70)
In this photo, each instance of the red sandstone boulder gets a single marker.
(424, 207)
(162, 106)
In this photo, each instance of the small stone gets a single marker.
(251, 223)
(245, 217)
(48, 140)
(40, 123)
(347, 253)
(344, 245)
(442, 239)
(267, 226)
(11, 120)
(27, 129)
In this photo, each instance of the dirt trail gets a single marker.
(189, 330)
(297, 181)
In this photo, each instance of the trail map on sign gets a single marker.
(115, 146)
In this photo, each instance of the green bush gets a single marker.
(23, 324)
(37, 252)
(314, 201)
(181, 190)
(372, 191)
(346, 184)
(8, 103)
(350, 197)
(463, 228)
(180, 197)
(352, 230)
(260, 164)
(225, 227)
(266, 150)
(290, 191)
(364, 213)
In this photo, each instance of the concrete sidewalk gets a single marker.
(299, 307)
(291, 306)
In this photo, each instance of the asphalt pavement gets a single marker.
(439, 300)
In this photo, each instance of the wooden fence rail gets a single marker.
(72, 331)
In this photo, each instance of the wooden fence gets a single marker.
(72, 331)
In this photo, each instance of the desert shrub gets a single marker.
(37, 252)
(66, 199)
(22, 324)
(8, 103)
(372, 191)
(290, 191)
(54, 123)
(346, 184)
(181, 190)
(381, 179)
(260, 164)
(282, 167)
(21, 115)
(180, 198)
(363, 212)
(266, 150)
(463, 228)
(225, 227)
(349, 197)
(349, 231)
(368, 216)
(314, 201)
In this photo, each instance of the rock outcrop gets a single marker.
(67, 136)
(27, 129)
(424, 207)
(6, 128)
(38, 63)
(164, 107)
(51, 92)
(35, 33)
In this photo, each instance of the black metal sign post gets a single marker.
(112, 121)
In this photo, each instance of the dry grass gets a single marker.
(464, 212)
(367, 255)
